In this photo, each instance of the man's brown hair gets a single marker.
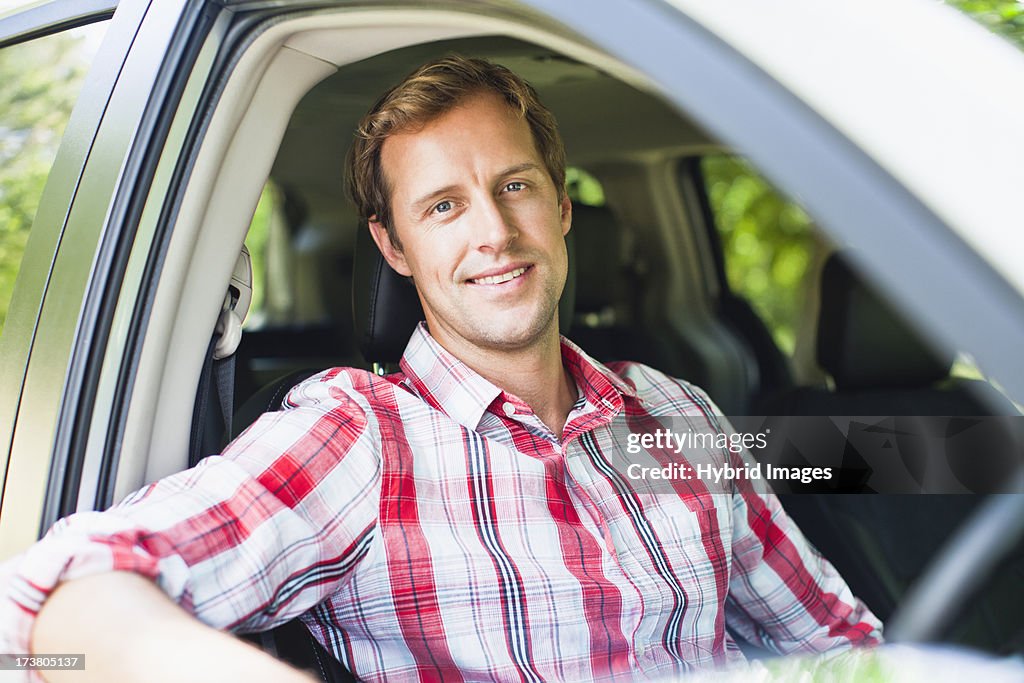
(432, 90)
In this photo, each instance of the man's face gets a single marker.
(481, 226)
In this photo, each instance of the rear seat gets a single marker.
(605, 323)
(879, 364)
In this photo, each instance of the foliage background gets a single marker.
(772, 249)
(39, 83)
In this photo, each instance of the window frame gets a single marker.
(55, 16)
(19, 334)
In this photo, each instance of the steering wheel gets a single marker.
(960, 567)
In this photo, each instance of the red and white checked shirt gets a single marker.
(428, 526)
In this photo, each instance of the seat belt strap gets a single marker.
(197, 445)
(224, 373)
(216, 386)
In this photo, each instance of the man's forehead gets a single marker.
(478, 108)
(483, 134)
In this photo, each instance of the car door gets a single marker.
(46, 52)
(84, 261)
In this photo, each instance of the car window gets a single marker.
(583, 188)
(265, 220)
(1002, 17)
(772, 253)
(39, 83)
(289, 273)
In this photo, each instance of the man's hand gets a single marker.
(129, 630)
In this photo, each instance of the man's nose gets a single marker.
(493, 228)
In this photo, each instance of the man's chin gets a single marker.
(510, 329)
(510, 340)
(512, 335)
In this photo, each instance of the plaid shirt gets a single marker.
(427, 525)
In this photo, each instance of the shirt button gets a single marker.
(509, 409)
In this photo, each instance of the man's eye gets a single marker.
(515, 187)
(443, 207)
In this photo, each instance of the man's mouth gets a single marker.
(499, 279)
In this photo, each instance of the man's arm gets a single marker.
(129, 630)
(244, 542)
(783, 595)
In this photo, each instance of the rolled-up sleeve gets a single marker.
(783, 595)
(245, 540)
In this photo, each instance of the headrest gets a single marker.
(863, 343)
(597, 264)
(387, 309)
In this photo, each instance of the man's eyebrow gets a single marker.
(417, 204)
(519, 168)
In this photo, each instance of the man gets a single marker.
(467, 518)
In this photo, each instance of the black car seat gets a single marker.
(774, 374)
(603, 324)
(881, 366)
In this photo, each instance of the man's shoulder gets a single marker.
(350, 386)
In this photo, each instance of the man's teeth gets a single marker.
(498, 279)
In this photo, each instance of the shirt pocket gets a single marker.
(674, 543)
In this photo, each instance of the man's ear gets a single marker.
(566, 209)
(394, 257)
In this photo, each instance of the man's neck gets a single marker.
(534, 374)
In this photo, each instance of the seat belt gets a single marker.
(218, 373)
(224, 373)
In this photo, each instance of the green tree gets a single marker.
(768, 243)
(39, 82)
(1003, 17)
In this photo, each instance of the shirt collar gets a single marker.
(599, 384)
(451, 386)
(444, 381)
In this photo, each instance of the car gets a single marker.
(719, 154)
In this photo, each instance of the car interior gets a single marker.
(649, 268)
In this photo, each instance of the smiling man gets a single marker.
(469, 517)
(481, 229)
